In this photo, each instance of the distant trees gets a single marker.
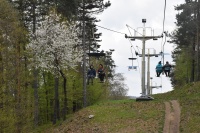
(118, 89)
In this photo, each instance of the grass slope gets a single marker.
(189, 99)
(128, 116)
(116, 116)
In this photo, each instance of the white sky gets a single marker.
(131, 12)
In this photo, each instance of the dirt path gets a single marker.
(172, 117)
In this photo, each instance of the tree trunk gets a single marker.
(65, 94)
(56, 100)
(47, 98)
(193, 63)
(198, 41)
(36, 101)
(35, 72)
(18, 96)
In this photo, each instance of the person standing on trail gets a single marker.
(159, 69)
(91, 74)
(101, 73)
(167, 68)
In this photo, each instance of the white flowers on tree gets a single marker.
(54, 44)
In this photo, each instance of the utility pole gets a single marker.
(143, 38)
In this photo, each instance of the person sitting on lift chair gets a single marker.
(91, 74)
(167, 68)
(159, 69)
(101, 73)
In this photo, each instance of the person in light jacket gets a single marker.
(159, 69)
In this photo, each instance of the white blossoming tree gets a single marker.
(54, 49)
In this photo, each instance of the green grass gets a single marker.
(117, 116)
(189, 99)
(128, 116)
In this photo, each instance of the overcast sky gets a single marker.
(131, 12)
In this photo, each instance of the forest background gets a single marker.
(41, 59)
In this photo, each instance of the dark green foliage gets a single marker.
(186, 38)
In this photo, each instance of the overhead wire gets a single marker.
(164, 16)
(136, 58)
(110, 30)
(133, 47)
(163, 31)
(162, 44)
(133, 29)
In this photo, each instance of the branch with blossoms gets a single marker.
(54, 44)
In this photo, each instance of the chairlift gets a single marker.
(132, 67)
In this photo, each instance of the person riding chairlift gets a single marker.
(159, 69)
(167, 68)
(91, 74)
(101, 73)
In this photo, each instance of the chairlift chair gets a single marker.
(132, 67)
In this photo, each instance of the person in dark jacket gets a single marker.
(167, 68)
(159, 69)
(101, 73)
(91, 74)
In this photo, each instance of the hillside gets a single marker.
(128, 116)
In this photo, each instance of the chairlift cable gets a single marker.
(133, 29)
(129, 39)
(164, 17)
(133, 48)
(110, 30)
(162, 57)
(162, 44)
(136, 58)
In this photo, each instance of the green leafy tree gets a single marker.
(12, 40)
(186, 38)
